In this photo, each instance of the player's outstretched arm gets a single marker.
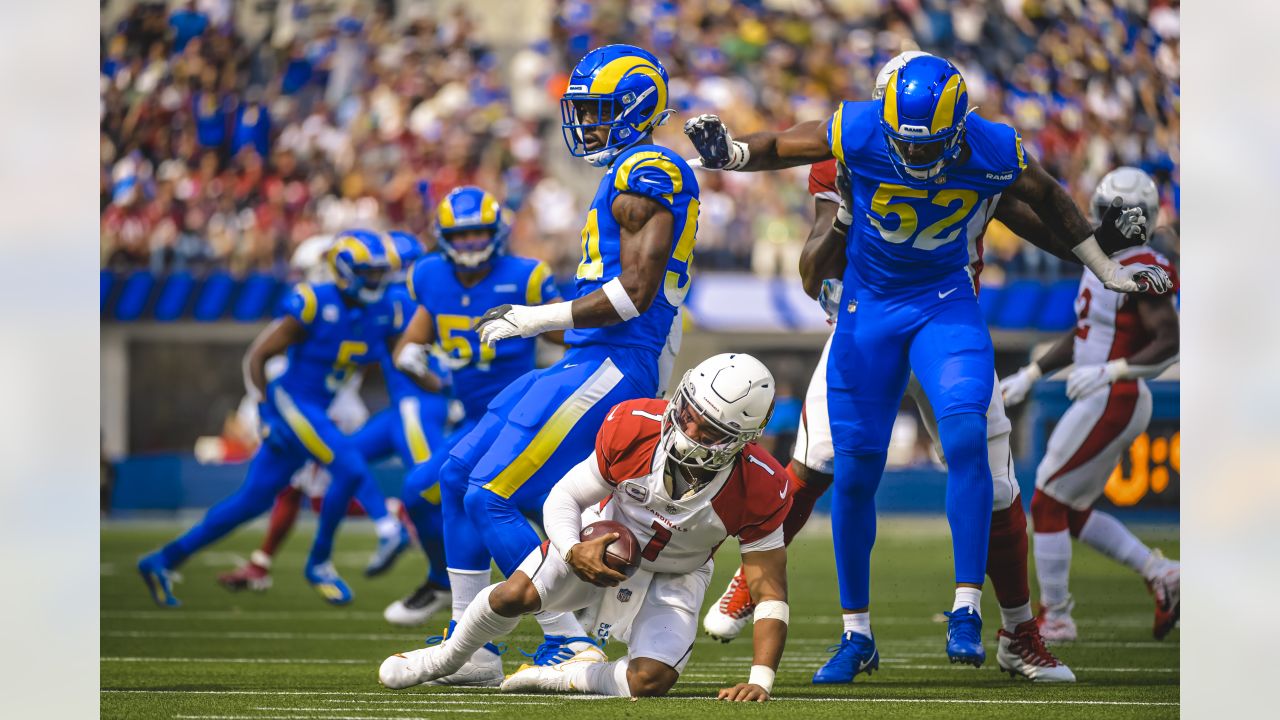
(1160, 320)
(274, 340)
(1014, 388)
(410, 351)
(1023, 221)
(823, 256)
(766, 575)
(1055, 207)
(802, 144)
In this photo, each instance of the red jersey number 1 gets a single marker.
(661, 536)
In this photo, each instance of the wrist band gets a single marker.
(762, 675)
(620, 300)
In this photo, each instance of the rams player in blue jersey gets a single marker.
(328, 331)
(922, 167)
(450, 291)
(637, 244)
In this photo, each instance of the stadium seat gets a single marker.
(174, 295)
(214, 296)
(1020, 305)
(1059, 312)
(106, 281)
(989, 298)
(256, 294)
(134, 295)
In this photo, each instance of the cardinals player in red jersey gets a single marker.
(1118, 340)
(682, 476)
(1021, 649)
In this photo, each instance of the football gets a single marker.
(622, 554)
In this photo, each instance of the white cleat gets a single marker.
(726, 618)
(484, 669)
(1164, 580)
(415, 667)
(1056, 624)
(551, 678)
(418, 607)
(1022, 652)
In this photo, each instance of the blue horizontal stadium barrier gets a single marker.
(989, 299)
(256, 293)
(1020, 305)
(214, 296)
(1059, 310)
(174, 296)
(134, 295)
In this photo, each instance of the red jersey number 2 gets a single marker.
(1082, 328)
(661, 536)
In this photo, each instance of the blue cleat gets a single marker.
(388, 550)
(556, 649)
(855, 654)
(964, 637)
(325, 579)
(159, 580)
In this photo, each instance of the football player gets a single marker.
(450, 290)
(681, 477)
(1118, 341)
(412, 428)
(637, 243)
(923, 172)
(328, 332)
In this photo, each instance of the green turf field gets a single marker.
(286, 654)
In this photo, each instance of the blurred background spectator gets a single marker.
(231, 132)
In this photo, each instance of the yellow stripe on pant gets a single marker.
(415, 436)
(547, 439)
(302, 427)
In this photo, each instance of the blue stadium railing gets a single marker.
(1025, 304)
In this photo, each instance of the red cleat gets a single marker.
(726, 619)
(254, 575)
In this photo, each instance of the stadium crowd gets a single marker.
(229, 150)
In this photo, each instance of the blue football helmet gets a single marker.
(621, 87)
(470, 208)
(362, 262)
(922, 113)
(408, 248)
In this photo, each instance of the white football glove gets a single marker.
(716, 147)
(507, 321)
(1138, 278)
(1014, 388)
(413, 360)
(1088, 379)
(829, 298)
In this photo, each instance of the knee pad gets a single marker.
(1048, 514)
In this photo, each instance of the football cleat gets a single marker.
(414, 667)
(325, 579)
(1164, 585)
(550, 678)
(556, 649)
(1056, 624)
(251, 575)
(1022, 652)
(964, 637)
(159, 579)
(419, 606)
(388, 550)
(725, 619)
(482, 669)
(855, 654)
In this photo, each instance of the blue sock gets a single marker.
(853, 524)
(268, 473)
(348, 472)
(370, 497)
(464, 547)
(422, 486)
(964, 440)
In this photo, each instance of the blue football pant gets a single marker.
(429, 502)
(534, 431)
(946, 343)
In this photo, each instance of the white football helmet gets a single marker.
(896, 63)
(720, 406)
(308, 259)
(1134, 187)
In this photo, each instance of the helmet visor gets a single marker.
(918, 154)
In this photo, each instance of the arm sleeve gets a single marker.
(772, 541)
(301, 304)
(652, 174)
(541, 287)
(562, 512)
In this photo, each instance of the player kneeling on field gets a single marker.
(681, 477)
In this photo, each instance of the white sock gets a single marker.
(561, 623)
(465, 585)
(601, 678)
(859, 622)
(1107, 535)
(479, 624)
(1053, 566)
(387, 527)
(967, 597)
(1011, 618)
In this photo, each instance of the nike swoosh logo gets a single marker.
(862, 665)
(611, 414)
(566, 367)
(785, 488)
(943, 295)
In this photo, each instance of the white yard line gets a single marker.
(253, 661)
